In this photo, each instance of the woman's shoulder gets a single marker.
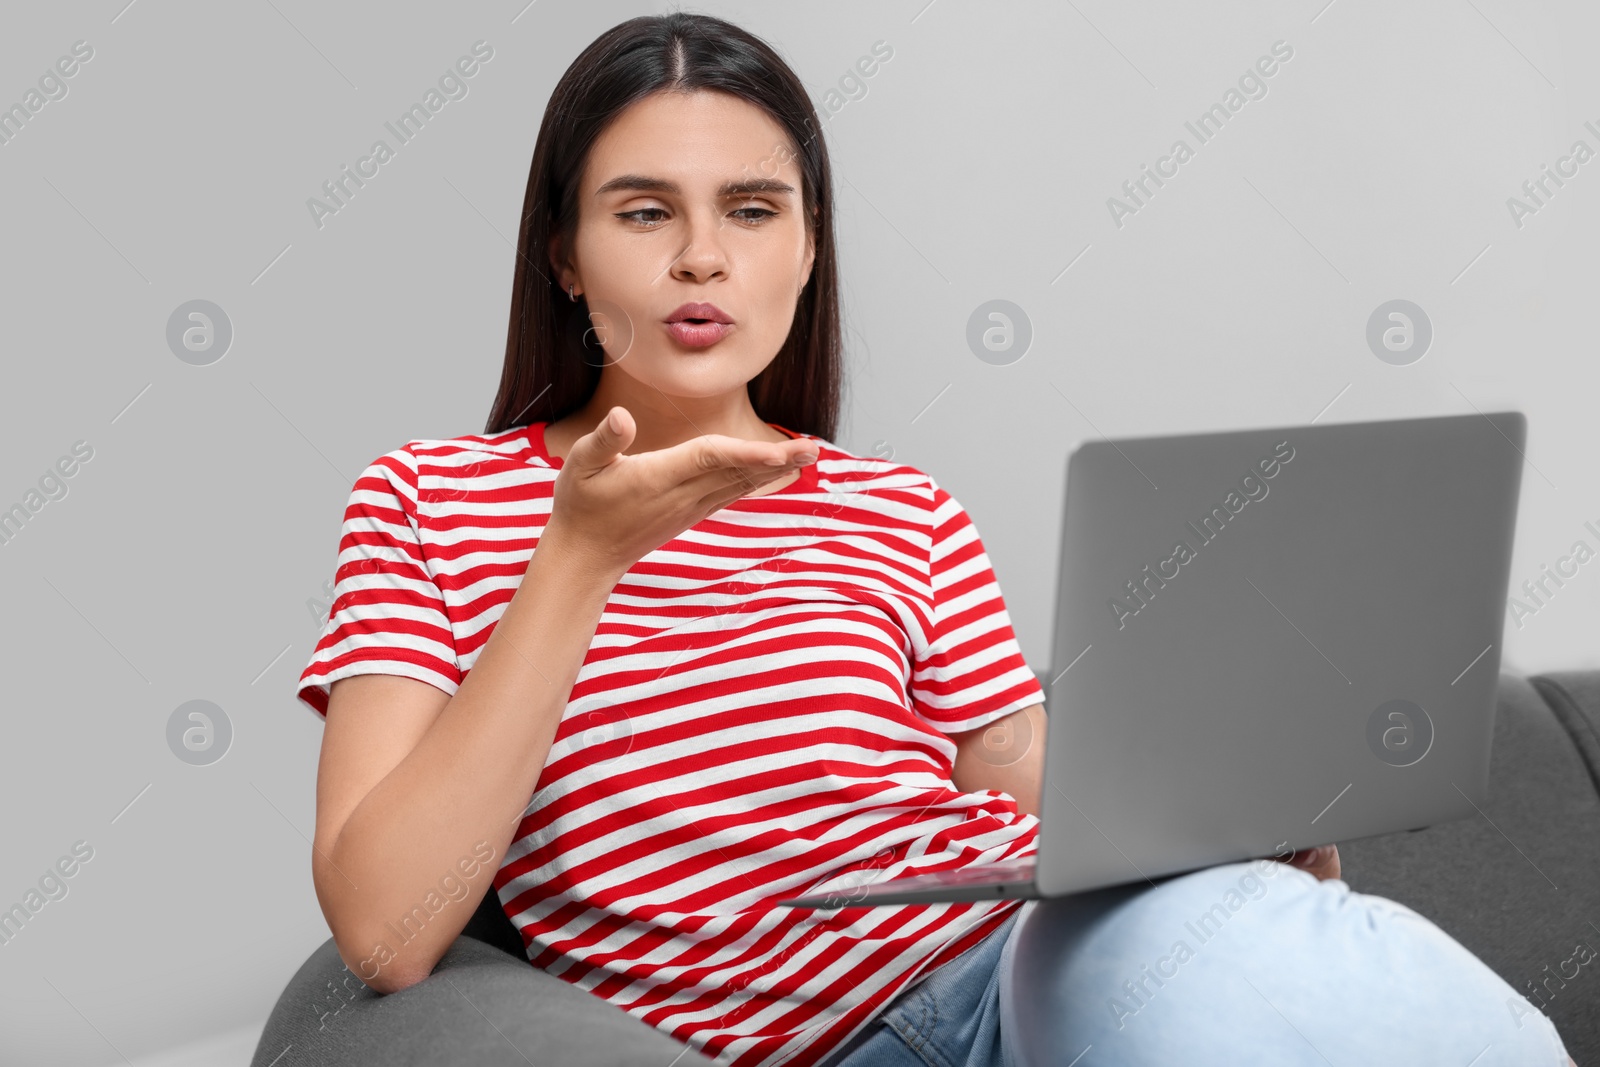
(422, 464)
(511, 446)
(872, 469)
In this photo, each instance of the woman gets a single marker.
(659, 654)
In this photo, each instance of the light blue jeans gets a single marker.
(1241, 964)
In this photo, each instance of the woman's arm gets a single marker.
(415, 788)
(1007, 755)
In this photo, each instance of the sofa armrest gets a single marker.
(1574, 697)
(480, 1006)
(1515, 883)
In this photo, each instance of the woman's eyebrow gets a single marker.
(744, 187)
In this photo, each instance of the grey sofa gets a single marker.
(1519, 887)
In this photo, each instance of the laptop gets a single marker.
(1265, 640)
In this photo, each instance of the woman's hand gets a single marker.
(613, 509)
(1323, 861)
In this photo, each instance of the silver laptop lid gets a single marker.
(1276, 635)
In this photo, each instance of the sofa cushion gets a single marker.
(480, 1006)
(1515, 884)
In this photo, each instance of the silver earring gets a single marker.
(571, 295)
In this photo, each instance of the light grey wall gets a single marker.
(974, 165)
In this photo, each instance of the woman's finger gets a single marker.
(1321, 862)
(745, 477)
(716, 451)
(733, 487)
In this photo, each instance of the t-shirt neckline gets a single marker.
(807, 482)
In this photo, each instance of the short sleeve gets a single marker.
(968, 669)
(388, 614)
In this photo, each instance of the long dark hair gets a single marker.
(552, 367)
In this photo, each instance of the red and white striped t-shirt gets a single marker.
(763, 712)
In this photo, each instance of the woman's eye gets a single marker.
(641, 211)
(652, 224)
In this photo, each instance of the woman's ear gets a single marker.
(811, 257)
(558, 268)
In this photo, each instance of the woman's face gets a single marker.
(682, 201)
